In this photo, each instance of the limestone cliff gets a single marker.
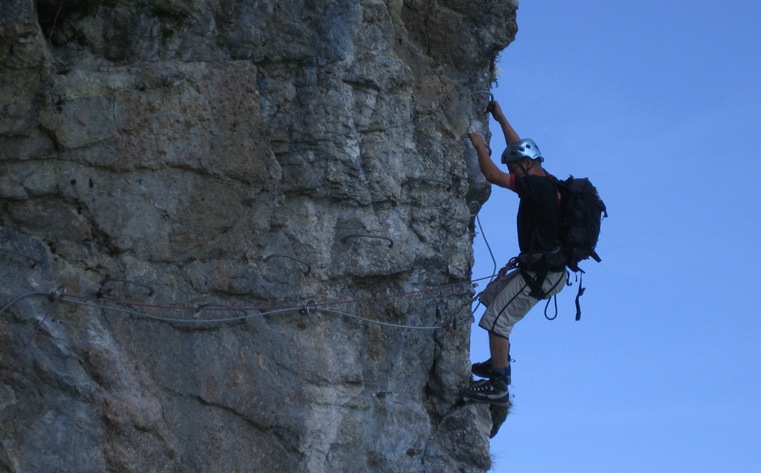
(235, 234)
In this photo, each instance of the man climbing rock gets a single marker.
(537, 273)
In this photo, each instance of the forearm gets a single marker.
(490, 170)
(507, 129)
(485, 163)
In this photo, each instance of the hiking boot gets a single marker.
(490, 391)
(484, 370)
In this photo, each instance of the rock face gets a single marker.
(289, 181)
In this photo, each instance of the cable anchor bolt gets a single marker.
(308, 308)
(57, 293)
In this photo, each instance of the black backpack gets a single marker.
(582, 211)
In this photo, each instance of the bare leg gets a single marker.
(494, 390)
(499, 348)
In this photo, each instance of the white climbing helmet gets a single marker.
(520, 150)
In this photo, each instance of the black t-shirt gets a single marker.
(538, 214)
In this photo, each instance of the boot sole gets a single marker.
(467, 398)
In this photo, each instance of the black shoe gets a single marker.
(490, 391)
(484, 370)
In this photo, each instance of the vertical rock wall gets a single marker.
(239, 160)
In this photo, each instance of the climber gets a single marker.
(540, 268)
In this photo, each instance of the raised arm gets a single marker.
(496, 111)
(490, 170)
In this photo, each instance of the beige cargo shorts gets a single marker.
(514, 301)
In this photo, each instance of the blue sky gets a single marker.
(659, 104)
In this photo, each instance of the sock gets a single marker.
(504, 372)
